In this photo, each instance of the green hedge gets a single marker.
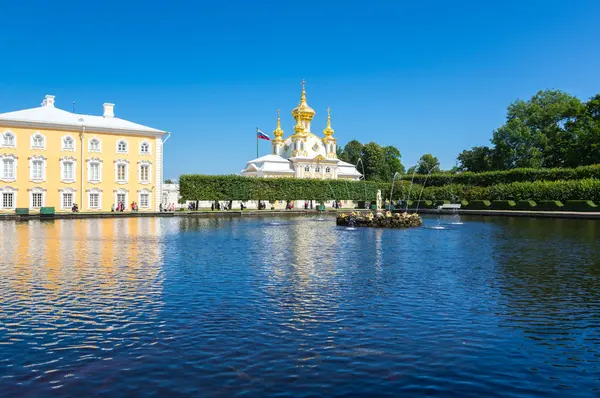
(489, 178)
(201, 187)
(525, 205)
(580, 205)
(503, 205)
(549, 205)
(478, 205)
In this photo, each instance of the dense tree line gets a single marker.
(378, 163)
(552, 129)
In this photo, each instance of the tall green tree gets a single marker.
(534, 134)
(476, 159)
(352, 152)
(428, 163)
(374, 161)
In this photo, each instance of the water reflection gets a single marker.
(263, 306)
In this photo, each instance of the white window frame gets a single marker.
(122, 162)
(149, 148)
(62, 143)
(33, 137)
(121, 191)
(328, 169)
(145, 163)
(37, 190)
(15, 167)
(14, 138)
(307, 169)
(89, 162)
(61, 197)
(90, 149)
(4, 190)
(148, 192)
(37, 158)
(94, 191)
(68, 159)
(126, 146)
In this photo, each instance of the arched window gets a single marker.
(307, 169)
(68, 143)
(328, 170)
(144, 148)
(37, 141)
(122, 146)
(94, 145)
(9, 139)
(318, 169)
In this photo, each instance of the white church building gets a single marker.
(302, 154)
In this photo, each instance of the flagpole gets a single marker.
(257, 142)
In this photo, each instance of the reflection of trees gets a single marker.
(547, 273)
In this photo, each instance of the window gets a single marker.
(67, 200)
(145, 148)
(8, 200)
(94, 145)
(8, 168)
(121, 146)
(94, 200)
(318, 169)
(144, 173)
(121, 198)
(94, 171)
(9, 139)
(144, 200)
(121, 172)
(36, 200)
(68, 143)
(68, 171)
(328, 170)
(37, 170)
(307, 169)
(37, 141)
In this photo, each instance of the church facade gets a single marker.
(302, 154)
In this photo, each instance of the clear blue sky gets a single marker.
(425, 76)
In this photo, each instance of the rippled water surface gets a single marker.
(299, 307)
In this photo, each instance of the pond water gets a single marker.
(297, 306)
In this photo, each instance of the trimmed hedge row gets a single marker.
(200, 187)
(542, 205)
(489, 178)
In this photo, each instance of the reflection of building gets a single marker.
(303, 154)
(51, 157)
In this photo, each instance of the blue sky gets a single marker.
(425, 76)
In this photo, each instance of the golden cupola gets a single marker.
(278, 132)
(303, 111)
(328, 132)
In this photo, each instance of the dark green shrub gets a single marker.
(525, 205)
(549, 205)
(580, 205)
(478, 205)
(503, 205)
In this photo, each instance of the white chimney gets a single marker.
(109, 110)
(48, 101)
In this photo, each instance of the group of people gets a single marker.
(167, 207)
(121, 207)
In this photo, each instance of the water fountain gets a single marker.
(411, 185)
(393, 182)
(363, 174)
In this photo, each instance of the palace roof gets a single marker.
(48, 116)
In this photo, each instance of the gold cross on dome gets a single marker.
(303, 83)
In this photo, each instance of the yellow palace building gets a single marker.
(53, 158)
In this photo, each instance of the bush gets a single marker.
(580, 205)
(478, 205)
(549, 205)
(503, 205)
(525, 205)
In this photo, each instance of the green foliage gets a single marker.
(549, 205)
(476, 159)
(168, 181)
(503, 205)
(580, 205)
(379, 163)
(428, 163)
(478, 205)
(525, 205)
(507, 176)
(208, 187)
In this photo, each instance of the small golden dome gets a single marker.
(328, 130)
(303, 110)
(278, 132)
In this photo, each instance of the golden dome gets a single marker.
(303, 110)
(328, 130)
(278, 132)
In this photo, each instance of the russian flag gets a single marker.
(262, 135)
